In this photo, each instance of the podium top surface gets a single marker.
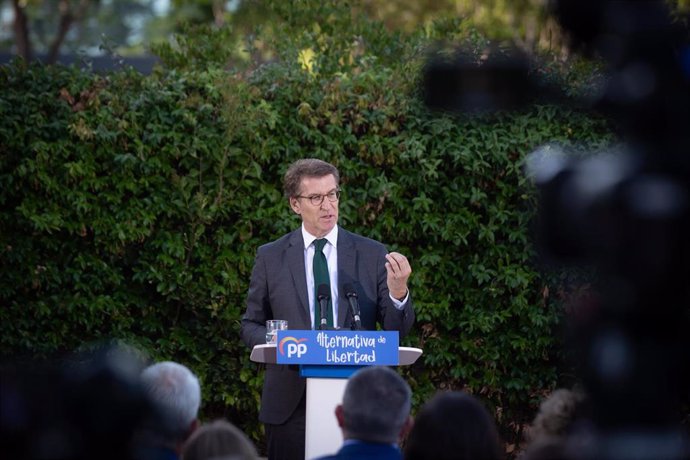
(266, 353)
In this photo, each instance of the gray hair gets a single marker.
(176, 393)
(558, 412)
(376, 405)
(307, 167)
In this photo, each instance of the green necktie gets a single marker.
(321, 276)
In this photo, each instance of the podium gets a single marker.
(325, 388)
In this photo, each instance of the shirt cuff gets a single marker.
(400, 304)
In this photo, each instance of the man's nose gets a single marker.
(325, 204)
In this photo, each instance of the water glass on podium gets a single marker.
(272, 328)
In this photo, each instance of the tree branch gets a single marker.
(21, 32)
(67, 18)
(218, 8)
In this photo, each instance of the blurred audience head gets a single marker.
(557, 413)
(549, 448)
(176, 394)
(453, 426)
(554, 424)
(85, 406)
(376, 406)
(219, 440)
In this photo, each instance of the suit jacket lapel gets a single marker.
(295, 255)
(347, 259)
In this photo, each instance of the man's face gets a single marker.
(318, 219)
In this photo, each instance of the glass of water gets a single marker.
(272, 328)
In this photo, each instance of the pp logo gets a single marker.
(294, 347)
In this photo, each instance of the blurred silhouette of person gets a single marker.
(86, 406)
(453, 425)
(374, 415)
(556, 420)
(557, 413)
(176, 394)
(218, 440)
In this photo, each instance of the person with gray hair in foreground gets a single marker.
(374, 415)
(175, 393)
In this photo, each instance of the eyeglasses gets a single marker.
(316, 200)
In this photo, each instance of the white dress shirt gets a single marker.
(330, 250)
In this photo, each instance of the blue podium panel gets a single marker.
(327, 372)
(338, 348)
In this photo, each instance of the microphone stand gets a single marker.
(323, 304)
(323, 295)
(351, 295)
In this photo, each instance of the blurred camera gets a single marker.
(624, 213)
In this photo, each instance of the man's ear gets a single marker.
(339, 415)
(192, 428)
(406, 428)
(294, 205)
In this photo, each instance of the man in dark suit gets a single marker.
(374, 415)
(283, 286)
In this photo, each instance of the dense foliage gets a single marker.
(132, 207)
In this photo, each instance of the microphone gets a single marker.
(351, 295)
(323, 293)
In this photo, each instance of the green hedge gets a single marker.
(132, 207)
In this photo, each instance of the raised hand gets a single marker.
(399, 271)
